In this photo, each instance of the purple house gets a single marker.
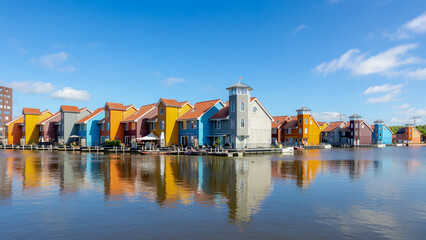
(49, 129)
(357, 132)
(136, 125)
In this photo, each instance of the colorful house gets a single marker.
(381, 133)
(111, 127)
(136, 124)
(70, 115)
(303, 130)
(220, 126)
(357, 132)
(14, 131)
(408, 134)
(194, 125)
(247, 121)
(331, 134)
(49, 129)
(164, 125)
(88, 128)
(278, 128)
(30, 130)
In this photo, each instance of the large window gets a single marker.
(107, 126)
(232, 107)
(242, 109)
(161, 111)
(162, 125)
(300, 121)
(193, 124)
(242, 123)
(306, 130)
(306, 121)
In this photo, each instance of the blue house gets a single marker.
(88, 128)
(381, 134)
(194, 125)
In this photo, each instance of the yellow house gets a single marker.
(30, 130)
(111, 128)
(303, 130)
(164, 124)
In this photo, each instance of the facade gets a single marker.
(165, 124)
(67, 125)
(49, 129)
(6, 109)
(357, 132)
(194, 125)
(14, 131)
(111, 127)
(88, 128)
(30, 129)
(249, 121)
(219, 133)
(408, 134)
(302, 130)
(331, 134)
(381, 133)
(136, 124)
(278, 129)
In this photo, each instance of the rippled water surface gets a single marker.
(317, 194)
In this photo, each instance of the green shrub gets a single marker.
(112, 143)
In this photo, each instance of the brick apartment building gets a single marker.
(5, 108)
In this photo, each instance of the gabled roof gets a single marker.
(32, 111)
(333, 126)
(170, 102)
(346, 128)
(279, 120)
(185, 102)
(261, 105)
(66, 108)
(368, 126)
(292, 123)
(199, 109)
(134, 117)
(90, 116)
(321, 123)
(115, 106)
(222, 113)
(239, 85)
(13, 120)
(49, 118)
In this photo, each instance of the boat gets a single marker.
(299, 148)
(288, 150)
(327, 146)
(195, 152)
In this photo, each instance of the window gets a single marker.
(153, 126)
(217, 124)
(300, 131)
(232, 123)
(6, 101)
(6, 118)
(254, 109)
(133, 126)
(362, 125)
(107, 126)
(242, 107)
(1, 100)
(102, 127)
(162, 125)
(352, 125)
(352, 133)
(7, 90)
(127, 126)
(232, 107)
(306, 130)
(300, 121)
(306, 121)
(274, 131)
(161, 111)
(356, 125)
(288, 131)
(356, 133)
(193, 124)
(242, 123)
(81, 127)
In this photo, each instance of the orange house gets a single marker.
(14, 131)
(302, 130)
(408, 134)
(111, 127)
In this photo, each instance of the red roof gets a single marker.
(90, 116)
(171, 102)
(31, 111)
(115, 106)
(141, 112)
(222, 113)
(199, 109)
(278, 120)
(333, 126)
(70, 108)
(321, 123)
(292, 123)
(50, 118)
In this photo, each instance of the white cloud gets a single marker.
(32, 87)
(171, 81)
(391, 93)
(55, 62)
(346, 61)
(68, 93)
(387, 63)
(328, 116)
(405, 114)
(299, 28)
(414, 26)
(402, 106)
(384, 88)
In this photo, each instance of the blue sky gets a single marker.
(333, 56)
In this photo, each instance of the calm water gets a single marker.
(319, 194)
